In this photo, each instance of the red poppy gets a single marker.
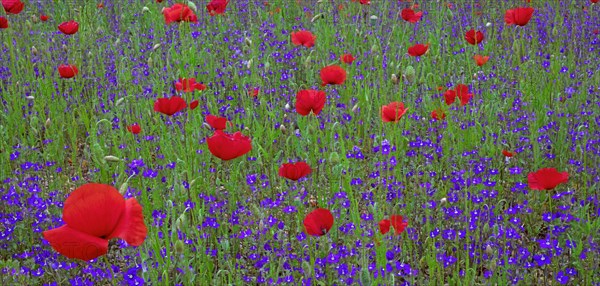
(507, 153)
(546, 179)
(3, 23)
(134, 128)
(393, 112)
(294, 171)
(474, 37)
(100, 5)
(13, 6)
(67, 71)
(44, 18)
(347, 58)
(308, 100)
(254, 92)
(227, 146)
(94, 214)
(217, 7)
(188, 85)
(409, 15)
(481, 60)
(169, 106)
(318, 222)
(69, 28)
(303, 38)
(518, 16)
(194, 104)
(396, 221)
(216, 122)
(333, 75)
(594, 1)
(179, 13)
(461, 91)
(438, 114)
(418, 50)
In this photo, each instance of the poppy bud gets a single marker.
(156, 47)
(30, 97)
(488, 250)
(123, 188)
(307, 62)
(179, 247)
(34, 18)
(282, 128)
(64, 47)
(317, 17)
(355, 108)
(34, 51)
(373, 18)
(192, 6)
(89, 54)
(248, 41)
(443, 200)
(206, 125)
(395, 79)
(374, 48)
(119, 101)
(249, 64)
(110, 158)
(145, 9)
(47, 124)
(334, 157)
(267, 65)
(409, 74)
(488, 24)
(150, 62)
(180, 221)
(287, 106)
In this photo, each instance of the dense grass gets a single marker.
(472, 218)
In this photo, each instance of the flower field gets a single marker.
(300, 142)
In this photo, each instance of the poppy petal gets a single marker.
(94, 209)
(131, 227)
(75, 244)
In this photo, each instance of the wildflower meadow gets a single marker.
(300, 142)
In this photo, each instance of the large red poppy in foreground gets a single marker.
(228, 146)
(318, 222)
(546, 179)
(94, 214)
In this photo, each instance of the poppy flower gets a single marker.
(294, 171)
(410, 16)
(94, 214)
(228, 146)
(481, 60)
(134, 128)
(44, 18)
(418, 50)
(347, 58)
(216, 122)
(546, 179)
(594, 1)
(303, 38)
(170, 106)
(3, 23)
(318, 222)
(179, 13)
(363, 2)
(67, 71)
(461, 91)
(518, 16)
(474, 37)
(396, 221)
(188, 85)
(217, 7)
(438, 114)
(69, 28)
(507, 153)
(100, 5)
(194, 104)
(393, 112)
(254, 92)
(13, 6)
(333, 75)
(308, 100)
